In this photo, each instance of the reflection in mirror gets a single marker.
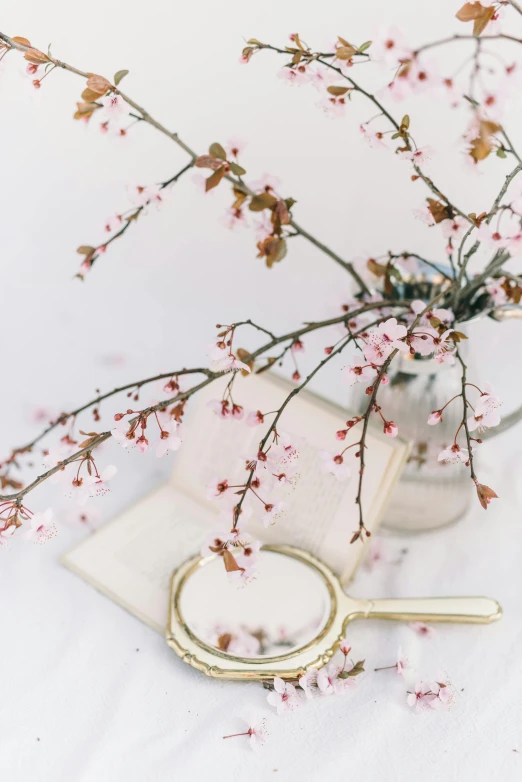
(283, 609)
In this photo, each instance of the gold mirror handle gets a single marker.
(476, 610)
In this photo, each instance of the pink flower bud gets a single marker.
(341, 434)
(142, 443)
(36, 84)
(391, 429)
(296, 376)
(435, 417)
(32, 68)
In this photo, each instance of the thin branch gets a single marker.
(181, 396)
(146, 117)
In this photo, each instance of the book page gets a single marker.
(132, 558)
(321, 514)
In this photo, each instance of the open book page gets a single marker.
(131, 558)
(321, 514)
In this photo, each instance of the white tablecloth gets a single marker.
(88, 694)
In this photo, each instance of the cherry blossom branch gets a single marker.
(294, 392)
(465, 414)
(395, 124)
(181, 396)
(237, 182)
(371, 405)
(457, 37)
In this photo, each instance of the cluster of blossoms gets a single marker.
(335, 678)
(435, 694)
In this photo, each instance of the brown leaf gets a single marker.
(243, 354)
(20, 40)
(438, 210)
(240, 198)
(86, 249)
(273, 249)
(482, 145)
(345, 52)
(98, 84)
(485, 495)
(89, 96)
(36, 56)
(85, 108)
(224, 641)
(282, 213)
(262, 201)
(270, 362)
(333, 89)
(477, 13)
(376, 268)
(215, 178)
(208, 161)
(230, 563)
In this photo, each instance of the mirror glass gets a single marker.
(284, 608)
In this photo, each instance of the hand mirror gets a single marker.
(291, 618)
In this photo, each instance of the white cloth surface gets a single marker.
(88, 694)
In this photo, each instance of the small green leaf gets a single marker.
(364, 46)
(501, 152)
(236, 169)
(119, 76)
(216, 150)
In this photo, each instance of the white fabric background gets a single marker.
(71, 675)
(109, 701)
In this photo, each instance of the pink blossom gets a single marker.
(6, 534)
(345, 647)
(359, 371)
(223, 360)
(42, 527)
(391, 429)
(217, 488)
(235, 147)
(455, 228)
(234, 218)
(384, 339)
(374, 138)
(454, 454)
(486, 414)
(145, 195)
(255, 418)
(113, 105)
(335, 465)
(256, 732)
(169, 440)
(422, 629)
(308, 683)
(490, 236)
(241, 578)
(402, 662)
(329, 682)
(121, 433)
(443, 691)
(420, 697)
(284, 697)
(389, 47)
(298, 74)
(417, 156)
(267, 183)
(435, 417)
(221, 407)
(334, 105)
(272, 511)
(497, 292)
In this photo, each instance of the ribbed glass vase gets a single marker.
(429, 494)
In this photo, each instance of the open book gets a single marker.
(132, 558)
